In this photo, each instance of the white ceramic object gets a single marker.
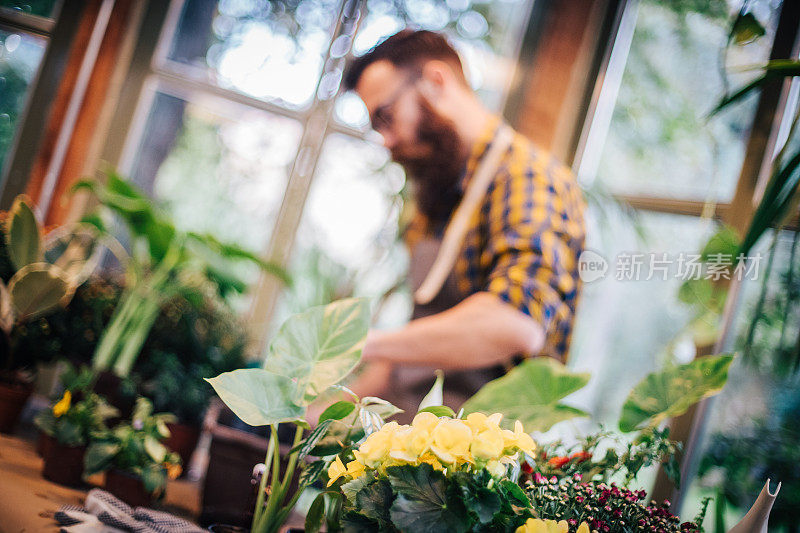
(755, 521)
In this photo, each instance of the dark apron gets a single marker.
(409, 384)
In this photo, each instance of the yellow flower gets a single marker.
(496, 468)
(378, 445)
(355, 469)
(336, 470)
(409, 443)
(425, 421)
(479, 422)
(488, 444)
(173, 470)
(431, 459)
(519, 439)
(63, 404)
(537, 525)
(451, 440)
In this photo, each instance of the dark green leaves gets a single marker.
(423, 504)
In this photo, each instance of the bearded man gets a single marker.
(494, 246)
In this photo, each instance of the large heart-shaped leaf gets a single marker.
(531, 393)
(257, 396)
(23, 235)
(319, 347)
(671, 391)
(38, 288)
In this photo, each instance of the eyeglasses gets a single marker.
(383, 117)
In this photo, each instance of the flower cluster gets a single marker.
(604, 507)
(537, 525)
(475, 442)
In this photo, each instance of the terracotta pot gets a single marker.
(128, 488)
(43, 443)
(183, 441)
(63, 464)
(12, 399)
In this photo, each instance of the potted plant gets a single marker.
(164, 262)
(311, 353)
(136, 462)
(39, 275)
(189, 342)
(68, 426)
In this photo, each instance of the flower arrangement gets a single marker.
(604, 507)
(135, 448)
(446, 472)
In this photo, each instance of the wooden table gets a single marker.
(28, 501)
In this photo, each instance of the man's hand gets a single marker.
(481, 331)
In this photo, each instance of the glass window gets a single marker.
(219, 167)
(268, 50)
(661, 141)
(628, 318)
(347, 243)
(41, 8)
(20, 55)
(485, 34)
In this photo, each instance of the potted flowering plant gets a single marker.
(69, 425)
(136, 462)
(40, 273)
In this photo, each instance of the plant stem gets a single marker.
(258, 514)
(275, 494)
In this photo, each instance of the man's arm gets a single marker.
(481, 331)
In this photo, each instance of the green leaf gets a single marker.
(374, 500)
(319, 347)
(670, 392)
(311, 473)
(257, 396)
(746, 29)
(515, 491)
(337, 411)
(316, 514)
(23, 234)
(436, 395)
(155, 449)
(530, 393)
(422, 504)
(306, 446)
(154, 478)
(774, 70)
(38, 288)
(439, 410)
(99, 456)
(354, 486)
(482, 501)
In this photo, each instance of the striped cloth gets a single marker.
(524, 242)
(105, 513)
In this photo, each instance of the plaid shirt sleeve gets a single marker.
(535, 232)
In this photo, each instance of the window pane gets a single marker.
(20, 55)
(486, 35)
(661, 141)
(223, 170)
(623, 325)
(267, 50)
(347, 243)
(42, 8)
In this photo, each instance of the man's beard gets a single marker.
(434, 163)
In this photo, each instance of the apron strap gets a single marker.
(459, 225)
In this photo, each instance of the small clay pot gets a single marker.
(128, 488)
(43, 443)
(63, 464)
(12, 399)
(183, 441)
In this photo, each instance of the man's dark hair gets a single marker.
(407, 49)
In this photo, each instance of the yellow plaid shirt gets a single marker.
(524, 242)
